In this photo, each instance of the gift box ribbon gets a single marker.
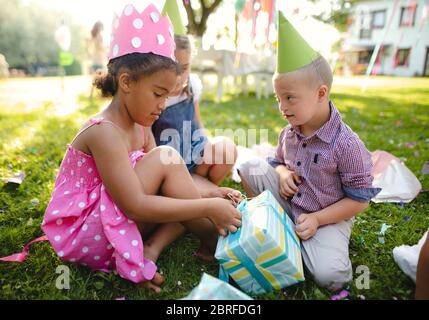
(246, 262)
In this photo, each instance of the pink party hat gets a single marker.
(145, 32)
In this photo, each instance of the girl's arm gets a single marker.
(198, 117)
(150, 142)
(197, 88)
(123, 185)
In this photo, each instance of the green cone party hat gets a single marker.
(293, 52)
(171, 8)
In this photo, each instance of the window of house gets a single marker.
(402, 57)
(378, 19)
(408, 16)
(365, 34)
(364, 56)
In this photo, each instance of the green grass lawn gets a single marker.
(394, 118)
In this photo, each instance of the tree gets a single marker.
(337, 13)
(27, 35)
(198, 14)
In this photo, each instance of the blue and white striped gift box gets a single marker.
(211, 288)
(265, 253)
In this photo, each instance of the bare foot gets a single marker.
(155, 283)
(205, 253)
(151, 252)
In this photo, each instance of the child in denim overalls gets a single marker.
(180, 126)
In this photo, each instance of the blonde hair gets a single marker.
(315, 74)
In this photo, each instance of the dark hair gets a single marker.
(96, 29)
(137, 65)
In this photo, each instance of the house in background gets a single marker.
(400, 28)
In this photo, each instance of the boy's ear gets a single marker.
(124, 82)
(322, 93)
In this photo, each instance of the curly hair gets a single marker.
(137, 65)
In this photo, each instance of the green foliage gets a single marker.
(337, 13)
(27, 35)
(74, 69)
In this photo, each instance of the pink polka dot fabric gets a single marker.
(84, 226)
(135, 32)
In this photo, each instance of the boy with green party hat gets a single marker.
(321, 172)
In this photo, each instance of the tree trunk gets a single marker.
(196, 26)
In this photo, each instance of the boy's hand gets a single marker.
(288, 183)
(306, 226)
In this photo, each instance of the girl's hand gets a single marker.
(306, 226)
(235, 197)
(224, 216)
(288, 183)
(230, 194)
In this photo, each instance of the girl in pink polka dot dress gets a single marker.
(115, 188)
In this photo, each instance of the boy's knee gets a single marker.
(254, 168)
(333, 276)
(252, 172)
(243, 170)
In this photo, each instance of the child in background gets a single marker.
(117, 201)
(181, 121)
(96, 51)
(321, 173)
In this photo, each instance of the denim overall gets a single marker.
(177, 127)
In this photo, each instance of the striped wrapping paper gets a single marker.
(265, 253)
(211, 288)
